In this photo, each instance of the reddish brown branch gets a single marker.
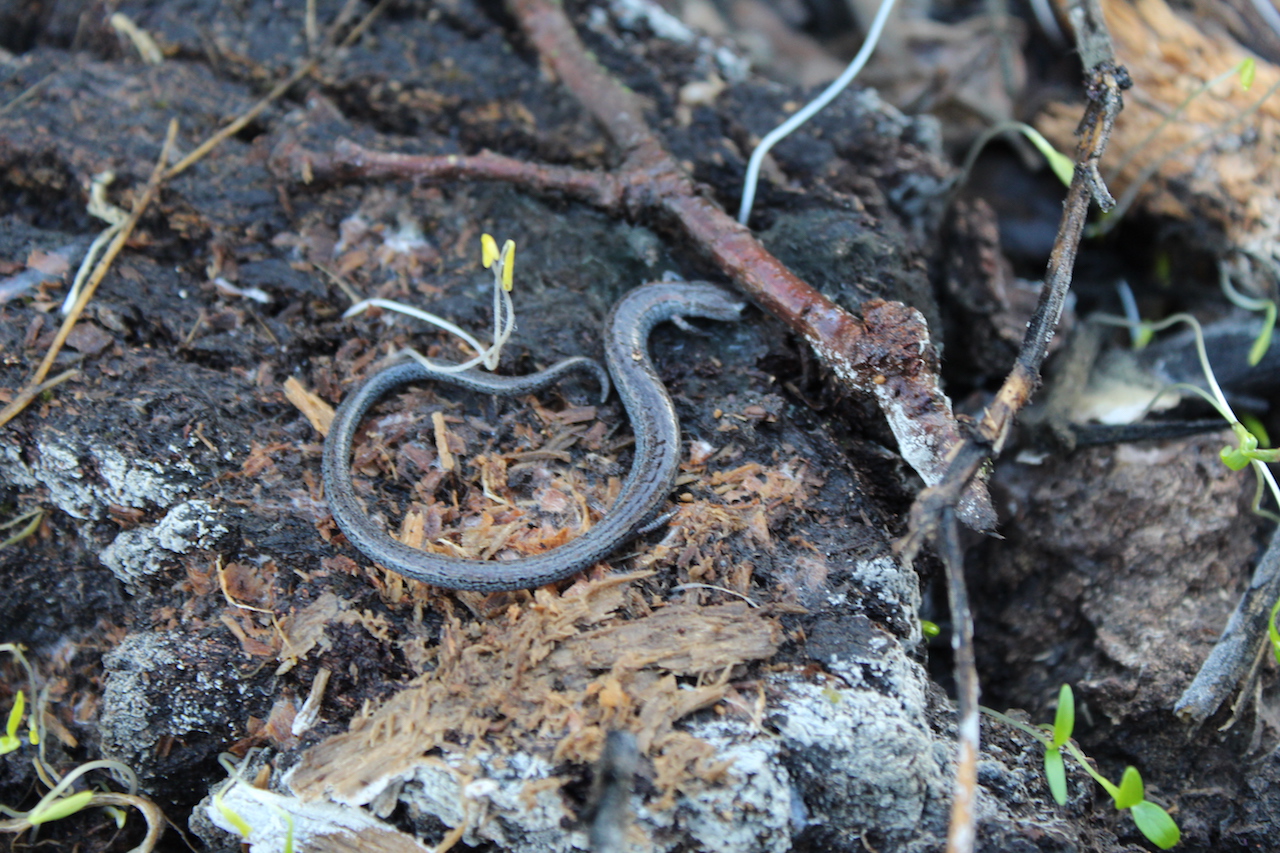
(658, 184)
(350, 160)
(615, 107)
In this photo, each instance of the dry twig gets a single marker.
(280, 88)
(962, 831)
(158, 176)
(100, 271)
(931, 515)
(1104, 81)
(1237, 650)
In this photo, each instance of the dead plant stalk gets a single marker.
(931, 514)
(99, 273)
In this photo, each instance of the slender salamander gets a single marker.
(653, 419)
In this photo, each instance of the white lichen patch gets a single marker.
(891, 584)
(759, 795)
(864, 759)
(161, 684)
(513, 801)
(516, 801)
(145, 551)
(856, 757)
(84, 478)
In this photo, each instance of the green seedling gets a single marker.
(1139, 335)
(1064, 723)
(1152, 820)
(59, 808)
(117, 814)
(1250, 435)
(929, 629)
(288, 821)
(1248, 450)
(115, 218)
(58, 803)
(10, 741)
(1063, 167)
(233, 818)
(1162, 269)
(502, 262)
(1255, 426)
(233, 778)
(1249, 303)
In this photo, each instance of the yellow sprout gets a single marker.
(488, 250)
(59, 808)
(504, 315)
(506, 260)
(508, 265)
(9, 741)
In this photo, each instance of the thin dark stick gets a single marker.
(962, 831)
(1233, 654)
(279, 89)
(1104, 81)
(610, 799)
(932, 514)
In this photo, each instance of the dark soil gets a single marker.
(1117, 566)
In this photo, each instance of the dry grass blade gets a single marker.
(158, 176)
(99, 273)
(33, 390)
(27, 93)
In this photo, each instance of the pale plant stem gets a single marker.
(504, 323)
(807, 112)
(1215, 397)
(1219, 399)
(418, 314)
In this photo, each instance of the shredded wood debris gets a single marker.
(556, 674)
(442, 441)
(317, 411)
(748, 499)
(305, 629)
